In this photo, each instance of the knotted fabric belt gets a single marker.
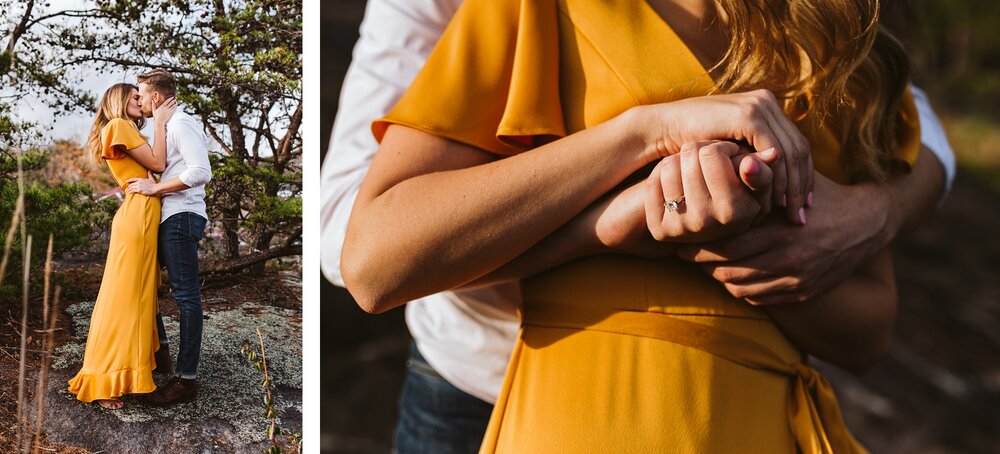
(813, 413)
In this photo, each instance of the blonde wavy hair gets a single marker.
(828, 58)
(114, 104)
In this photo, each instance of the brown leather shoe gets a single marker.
(164, 362)
(176, 390)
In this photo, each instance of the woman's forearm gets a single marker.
(433, 214)
(159, 149)
(614, 224)
(849, 326)
(566, 244)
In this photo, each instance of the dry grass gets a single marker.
(26, 438)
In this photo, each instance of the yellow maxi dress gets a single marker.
(619, 354)
(122, 338)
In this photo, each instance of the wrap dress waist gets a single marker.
(813, 413)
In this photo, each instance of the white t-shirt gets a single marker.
(187, 158)
(467, 336)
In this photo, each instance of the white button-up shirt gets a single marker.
(467, 336)
(187, 158)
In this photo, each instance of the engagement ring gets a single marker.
(673, 204)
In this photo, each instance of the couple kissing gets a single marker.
(159, 222)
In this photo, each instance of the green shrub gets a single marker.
(66, 211)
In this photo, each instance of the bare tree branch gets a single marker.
(21, 27)
(239, 264)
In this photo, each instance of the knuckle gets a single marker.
(759, 125)
(725, 214)
(724, 275)
(672, 231)
(800, 150)
(666, 167)
(737, 291)
(663, 180)
(695, 223)
(751, 110)
(658, 233)
(795, 283)
(708, 151)
(653, 180)
(764, 94)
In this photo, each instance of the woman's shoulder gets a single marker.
(119, 122)
(119, 131)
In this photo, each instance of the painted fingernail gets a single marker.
(783, 201)
(809, 199)
(802, 215)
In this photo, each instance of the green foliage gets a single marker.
(954, 48)
(66, 211)
(5, 61)
(271, 199)
(30, 160)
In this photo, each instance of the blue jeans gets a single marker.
(435, 416)
(178, 250)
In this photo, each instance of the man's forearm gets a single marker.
(780, 263)
(914, 195)
(850, 325)
(172, 185)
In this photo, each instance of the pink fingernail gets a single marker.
(802, 215)
(768, 152)
(809, 199)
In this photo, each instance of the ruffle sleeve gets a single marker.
(491, 82)
(119, 132)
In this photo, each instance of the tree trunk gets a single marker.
(226, 267)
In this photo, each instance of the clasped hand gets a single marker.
(717, 190)
(726, 188)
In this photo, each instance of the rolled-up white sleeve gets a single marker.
(933, 137)
(396, 38)
(191, 144)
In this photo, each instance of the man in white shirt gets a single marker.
(463, 338)
(183, 218)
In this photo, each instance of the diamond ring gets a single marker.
(672, 205)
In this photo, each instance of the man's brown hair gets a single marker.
(161, 81)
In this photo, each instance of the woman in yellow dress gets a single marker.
(515, 153)
(122, 339)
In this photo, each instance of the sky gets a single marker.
(75, 125)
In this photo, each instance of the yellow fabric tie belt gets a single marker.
(813, 413)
